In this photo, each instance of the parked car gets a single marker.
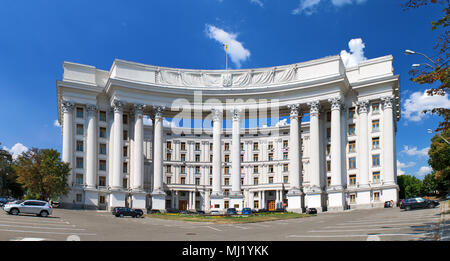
(246, 211)
(153, 211)
(200, 212)
(188, 212)
(311, 211)
(231, 211)
(448, 196)
(412, 203)
(38, 207)
(123, 212)
(3, 201)
(262, 210)
(280, 210)
(388, 204)
(172, 210)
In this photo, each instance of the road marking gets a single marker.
(73, 238)
(240, 227)
(65, 228)
(354, 230)
(213, 228)
(259, 225)
(28, 239)
(386, 222)
(360, 235)
(32, 223)
(402, 224)
(34, 219)
(373, 238)
(46, 232)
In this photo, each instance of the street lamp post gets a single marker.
(431, 131)
(408, 52)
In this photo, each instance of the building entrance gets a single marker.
(182, 204)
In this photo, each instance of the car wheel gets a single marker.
(43, 213)
(138, 216)
(407, 208)
(121, 215)
(14, 211)
(431, 205)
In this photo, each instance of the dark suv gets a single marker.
(412, 203)
(231, 211)
(123, 212)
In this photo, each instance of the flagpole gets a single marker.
(226, 58)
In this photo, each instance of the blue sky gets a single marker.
(38, 36)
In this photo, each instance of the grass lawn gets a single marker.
(258, 217)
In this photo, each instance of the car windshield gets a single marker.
(420, 199)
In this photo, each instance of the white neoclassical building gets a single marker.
(337, 151)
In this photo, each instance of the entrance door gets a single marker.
(182, 204)
(271, 205)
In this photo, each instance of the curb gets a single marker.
(441, 226)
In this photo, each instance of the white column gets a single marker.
(295, 166)
(118, 145)
(138, 159)
(363, 144)
(336, 198)
(390, 190)
(158, 194)
(388, 141)
(138, 195)
(217, 193)
(91, 147)
(236, 197)
(67, 155)
(314, 192)
(363, 196)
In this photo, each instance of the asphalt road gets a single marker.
(355, 225)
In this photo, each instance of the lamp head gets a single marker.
(409, 52)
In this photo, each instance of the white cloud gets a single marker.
(413, 151)
(258, 2)
(401, 166)
(281, 123)
(356, 54)
(56, 124)
(424, 170)
(16, 150)
(236, 50)
(309, 6)
(414, 106)
(166, 123)
(306, 6)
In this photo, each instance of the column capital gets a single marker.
(236, 114)
(388, 102)
(158, 111)
(138, 109)
(314, 107)
(91, 109)
(67, 106)
(217, 114)
(363, 106)
(295, 110)
(117, 105)
(336, 103)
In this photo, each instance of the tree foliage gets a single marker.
(42, 172)
(429, 184)
(8, 184)
(439, 160)
(438, 72)
(410, 186)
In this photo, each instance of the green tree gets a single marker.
(439, 160)
(429, 184)
(410, 186)
(437, 72)
(8, 177)
(42, 172)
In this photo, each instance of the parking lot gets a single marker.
(369, 224)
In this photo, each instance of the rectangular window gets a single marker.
(352, 163)
(285, 144)
(285, 155)
(227, 158)
(183, 157)
(80, 129)
(169, 169)
(328, 115)
(80, 113)
(255, 181)
(376, 160)
(270, 156)
(80, 145)
(101, 199)
(242, 158)
(376, 177)
(376, 143)
(102, 181)
(102, 115)
(255, 157)
(197, 146)
(352, 180)
(169, 180)
(285, 179)
(270, 180)
(169, 156)
(125, 135)
(227, 181)
(210, 181)
(270, 168)
(79, 163)
(242, 181)
(255, 146)
(256, 203)
(102, 132)
(328, 149)
(270, 146)
(242, 170)
(124, 183)
(79, 179)
(328, 166)
(197, 181)
(125, 151)
(125, 167)
(351, 130)
(352, 198)
(197, 158)
(285, 167)
(183, 170)
(169, 145)
(102, 164)
(78, 198)
(375, 125)
(197, 169)
(328, 181)
(376, 196)
(183, 180)
(226, 170)
(210, 158)
(255, 169)
(351, 146)
(375, 108)
(328, 133)
(242, 146)
(102, 148)
(351, 113)
(210, 146)
(125, 119)
(226, 204)
(183, 146)
(227, 146)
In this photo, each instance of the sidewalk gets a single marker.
(443, 232)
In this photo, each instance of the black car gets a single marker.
(123, 212)
(231, 211)
(311, 211)
(188, 212)
(200, 212)
(412, 203)
(172, 210)
(154, 211)
(280, 210)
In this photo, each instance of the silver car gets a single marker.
(38, 207)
